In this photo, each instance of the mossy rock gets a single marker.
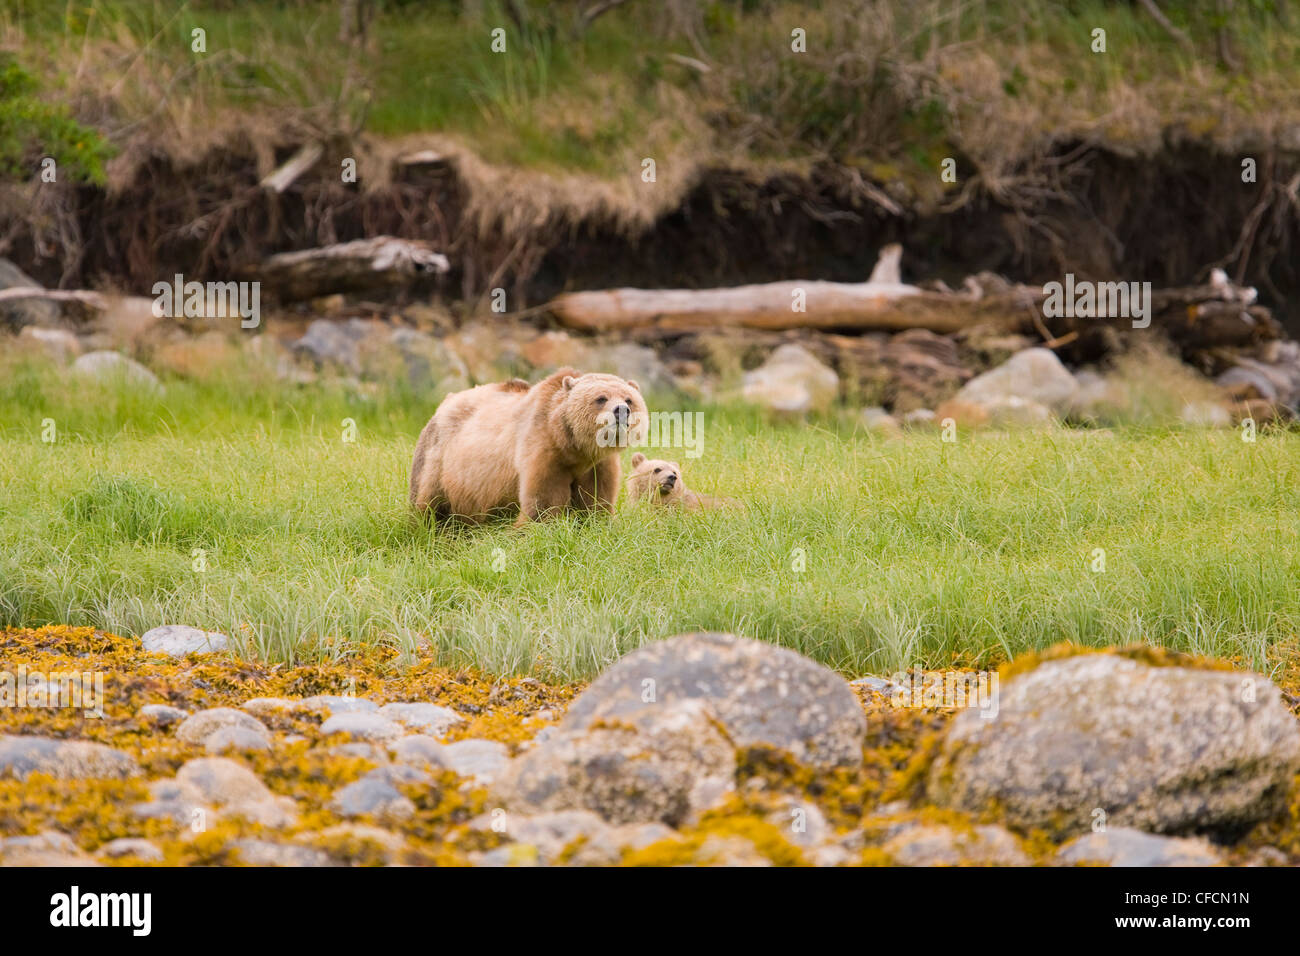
(1164, 749)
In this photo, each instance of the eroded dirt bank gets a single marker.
(1082, 209)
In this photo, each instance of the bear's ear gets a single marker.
(637, 460)
(634, 384)
(568, 382)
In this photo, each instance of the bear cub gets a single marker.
(660, 482)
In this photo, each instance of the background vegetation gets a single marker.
(915, 551)
(593, 87)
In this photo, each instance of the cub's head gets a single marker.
(602, 412)
(655, 479)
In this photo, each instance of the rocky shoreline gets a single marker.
(705, 749)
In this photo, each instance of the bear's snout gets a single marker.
(621, 414)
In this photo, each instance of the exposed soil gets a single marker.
(1100, 215)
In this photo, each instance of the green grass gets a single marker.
(915, 551)
(901, 82)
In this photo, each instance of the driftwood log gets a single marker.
(1195, 318)
(382, 262)
(864, 306)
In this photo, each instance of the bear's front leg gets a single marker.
(598, 488)
(542, 494)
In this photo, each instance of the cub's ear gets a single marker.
(634, 384)
(569, 381)
(637, 460)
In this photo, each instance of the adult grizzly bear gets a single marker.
(495, 447)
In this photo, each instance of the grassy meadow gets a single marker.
(234, 504)
(894, 87)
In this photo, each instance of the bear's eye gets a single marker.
(602, 400)
(657, 470)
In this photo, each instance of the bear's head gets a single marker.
(656, 479)
(602, 413)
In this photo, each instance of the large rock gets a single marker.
(209, 787)
(1121, 846)
(1251, 378)
(373, 795)
(20, 313)
(637, 363)
(948, 846)
(791, 381)
(177, 640)
(362, 725)
(428, 363)
(760, 693)
(332, 343)
(1035, 375)
(422, 717)
(106, 366)
(573, 837)
(643, 769)
(480, 760)
(655, 737)
(1162, 749)
(197, 728)
(269, 853)
(58, 344)
(21, 756)
(47, 848)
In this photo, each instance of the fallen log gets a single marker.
(382, 262)
(1195, 318)
(778, 306)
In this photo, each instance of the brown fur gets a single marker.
(497, 447)
(660, 482)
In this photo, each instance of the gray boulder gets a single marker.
(1035, 375)
(177, 640)
(1162, 749)
(269, 853)
(161, 715)
(760, 693)
(949, 846)
(362, 725)
(643, 769)
(423, 718)
(372, 796)
(237, 739)
(19, 313)
(21, 756)
(1121, 846)
(331, 343)
(197, 728)
(106, 366)
(792, 381)
(331, 704)
(59, 344)
(47, 848)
